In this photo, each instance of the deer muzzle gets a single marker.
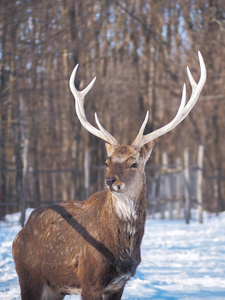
(114, 184)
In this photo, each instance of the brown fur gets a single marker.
(90, 247)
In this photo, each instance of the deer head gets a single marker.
(133, 158)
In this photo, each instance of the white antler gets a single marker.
(183, 110)
(79, 106)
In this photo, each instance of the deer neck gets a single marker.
(130, 213)
(130, 206)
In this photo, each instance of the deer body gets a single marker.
(92, 247)
(73, 255)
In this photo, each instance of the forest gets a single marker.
(139, 50)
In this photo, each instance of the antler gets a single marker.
(183, 110)
(79, 106)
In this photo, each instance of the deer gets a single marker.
(92, 247)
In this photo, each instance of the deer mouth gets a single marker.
(117, 188)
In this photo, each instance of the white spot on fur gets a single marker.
(131, 229)
(124, 206)
(41, 215)
(115, 187)
(122, 186)
(71, 290)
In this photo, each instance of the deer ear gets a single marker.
(109, 149)
(146, 150)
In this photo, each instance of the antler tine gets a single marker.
(79, 106)
(141, 131)
(196, 88)
(183, 110)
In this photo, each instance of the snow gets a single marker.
(179, 261)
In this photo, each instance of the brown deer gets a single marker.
(92, 247)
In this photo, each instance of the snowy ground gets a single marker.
(178, 261)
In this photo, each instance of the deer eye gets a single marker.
(106, 165)
(134, 166)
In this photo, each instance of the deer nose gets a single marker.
(110, 180)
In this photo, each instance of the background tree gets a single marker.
(139, 50)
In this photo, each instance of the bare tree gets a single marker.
(138, 50)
